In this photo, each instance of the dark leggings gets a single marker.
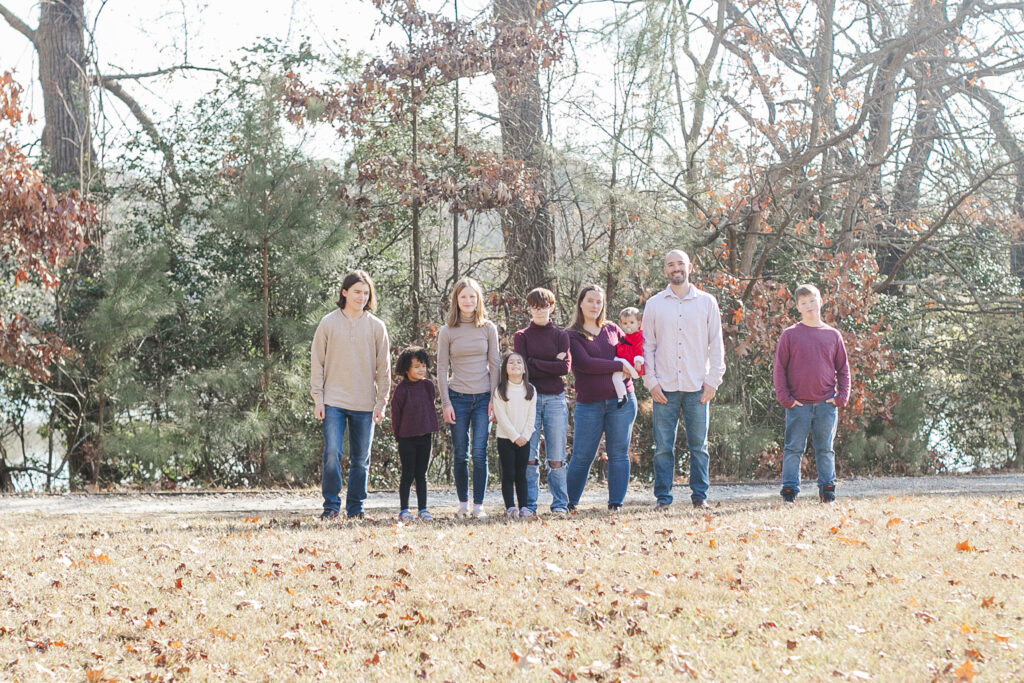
(513, 460)
(414, 451)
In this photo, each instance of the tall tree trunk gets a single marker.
(611, 262)
(67, 146)
(866, 188)
(928, 72)
(1017, 462)
(95, 457)
(6, 482)
(455, 152)
(261, 456)
(702, 73)
(417, 237)
(60, 43)
(49, 448)
(528, 232)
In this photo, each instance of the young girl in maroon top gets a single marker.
(414, 421)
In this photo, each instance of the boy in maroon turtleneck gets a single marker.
(545, 347)
(812, 381)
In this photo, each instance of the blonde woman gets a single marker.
(467, 371)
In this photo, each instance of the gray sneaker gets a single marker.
(661, 507)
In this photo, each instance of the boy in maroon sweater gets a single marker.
(812, 381)
(546, 350)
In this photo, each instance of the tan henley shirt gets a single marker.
(350, 362)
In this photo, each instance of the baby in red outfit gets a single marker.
(630, 351)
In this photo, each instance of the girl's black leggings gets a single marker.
(414, 452)
(513, 461)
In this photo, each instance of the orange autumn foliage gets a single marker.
(40, 230)
(755, 323)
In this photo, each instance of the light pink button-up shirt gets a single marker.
(683, 348)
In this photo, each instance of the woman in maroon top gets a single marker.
(592, 342)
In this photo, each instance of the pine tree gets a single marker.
(273, 247)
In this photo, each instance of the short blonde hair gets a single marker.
(479, 315)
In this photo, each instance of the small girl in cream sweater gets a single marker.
(515, 409)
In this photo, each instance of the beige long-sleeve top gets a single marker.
(467, 359)
(514, 417)
(683, 348)
(350, 362)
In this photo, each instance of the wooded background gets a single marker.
(162, 292)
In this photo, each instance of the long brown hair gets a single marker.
(503, 377)
(577, 324)
(479, 315)
(351, 279)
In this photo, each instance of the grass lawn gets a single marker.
(869, 589)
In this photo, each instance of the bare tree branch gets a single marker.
(162, 72)
(937, 225)
(147, 124)
(17, 24)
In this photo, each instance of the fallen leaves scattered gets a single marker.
(752, 593)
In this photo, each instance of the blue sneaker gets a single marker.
(425, 516)
(405, 516)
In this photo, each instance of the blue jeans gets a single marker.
(590, 420)
(666, 422)
(470, 413)
(553, 417)
(360, 433)
(819, 421)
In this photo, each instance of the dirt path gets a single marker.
(383, 503)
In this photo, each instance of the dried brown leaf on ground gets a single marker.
(590, 597)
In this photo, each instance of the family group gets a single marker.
(675, 345)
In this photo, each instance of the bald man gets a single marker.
(685, 363)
